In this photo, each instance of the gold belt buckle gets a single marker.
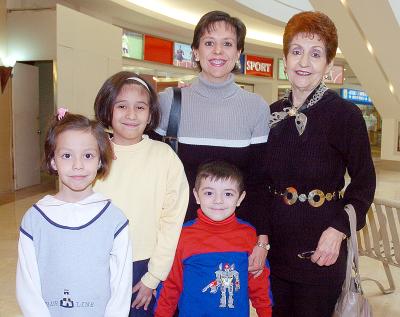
(290, 196)
(313, 195)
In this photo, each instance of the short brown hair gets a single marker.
(207, 23)
(105, 99)
(219, 170)
(312, 23)
(81, 123)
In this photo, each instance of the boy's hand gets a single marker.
(143, 297)
(257, 258)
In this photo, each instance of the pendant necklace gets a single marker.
(293, 111)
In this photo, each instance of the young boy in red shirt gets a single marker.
(210, 275)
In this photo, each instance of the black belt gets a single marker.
(315, 198)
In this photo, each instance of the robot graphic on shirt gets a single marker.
(224, 279)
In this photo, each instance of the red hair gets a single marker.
(312, 23)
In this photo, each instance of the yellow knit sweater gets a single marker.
(147, 181)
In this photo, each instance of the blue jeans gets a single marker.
(139, 269)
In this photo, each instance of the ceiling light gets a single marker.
(369, 47)
(391, 88)
(8, 61)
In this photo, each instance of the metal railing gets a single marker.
(379, 239)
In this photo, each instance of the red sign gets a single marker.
(158, 50)
(259, 66)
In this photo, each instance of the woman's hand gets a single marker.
(257, 258)
(143, 297)
(328, 247)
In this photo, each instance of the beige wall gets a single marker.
(32, 35)
(6, 170)
(3, 28)
(6, 181)
(88, 52)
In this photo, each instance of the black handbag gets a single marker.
(171, 137)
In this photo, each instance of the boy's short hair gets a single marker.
(219, 170)
(77, 122)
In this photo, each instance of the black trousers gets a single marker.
(301, 300)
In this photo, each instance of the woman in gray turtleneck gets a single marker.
(221, 121)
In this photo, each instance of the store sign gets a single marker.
(158, 50)
(183, 55)
(281, 70)
(242, 61)
(132, 45)
(356, 96)
(259, 66)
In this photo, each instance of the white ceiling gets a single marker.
(281, 10)
(395, 4)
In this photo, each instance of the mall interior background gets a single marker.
(65, 49)
(58, 53)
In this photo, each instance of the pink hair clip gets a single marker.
(61, 113)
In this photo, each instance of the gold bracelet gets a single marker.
(265, 246)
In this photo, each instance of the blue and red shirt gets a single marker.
(210, 277)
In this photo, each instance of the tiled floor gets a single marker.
(13, 206)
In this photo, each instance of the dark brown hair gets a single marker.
(219, 170)
(105, 99)
(207, 23)
(81, 123)
(312, 23)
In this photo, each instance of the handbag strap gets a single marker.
(352, 249)
(174, 118)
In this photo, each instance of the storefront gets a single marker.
(371, 116)
(166, 63)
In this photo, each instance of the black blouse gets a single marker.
(334, 141)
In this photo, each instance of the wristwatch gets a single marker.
(265, 246)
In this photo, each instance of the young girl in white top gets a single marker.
(147, 181)
(74, 254)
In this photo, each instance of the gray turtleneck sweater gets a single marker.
(221, 122)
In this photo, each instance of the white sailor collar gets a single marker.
(50, 200)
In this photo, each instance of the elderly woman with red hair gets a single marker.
(315, 137)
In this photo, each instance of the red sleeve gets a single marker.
(171, 288)
(259, 287)
(259, 293)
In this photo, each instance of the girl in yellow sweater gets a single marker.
(147, 181)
